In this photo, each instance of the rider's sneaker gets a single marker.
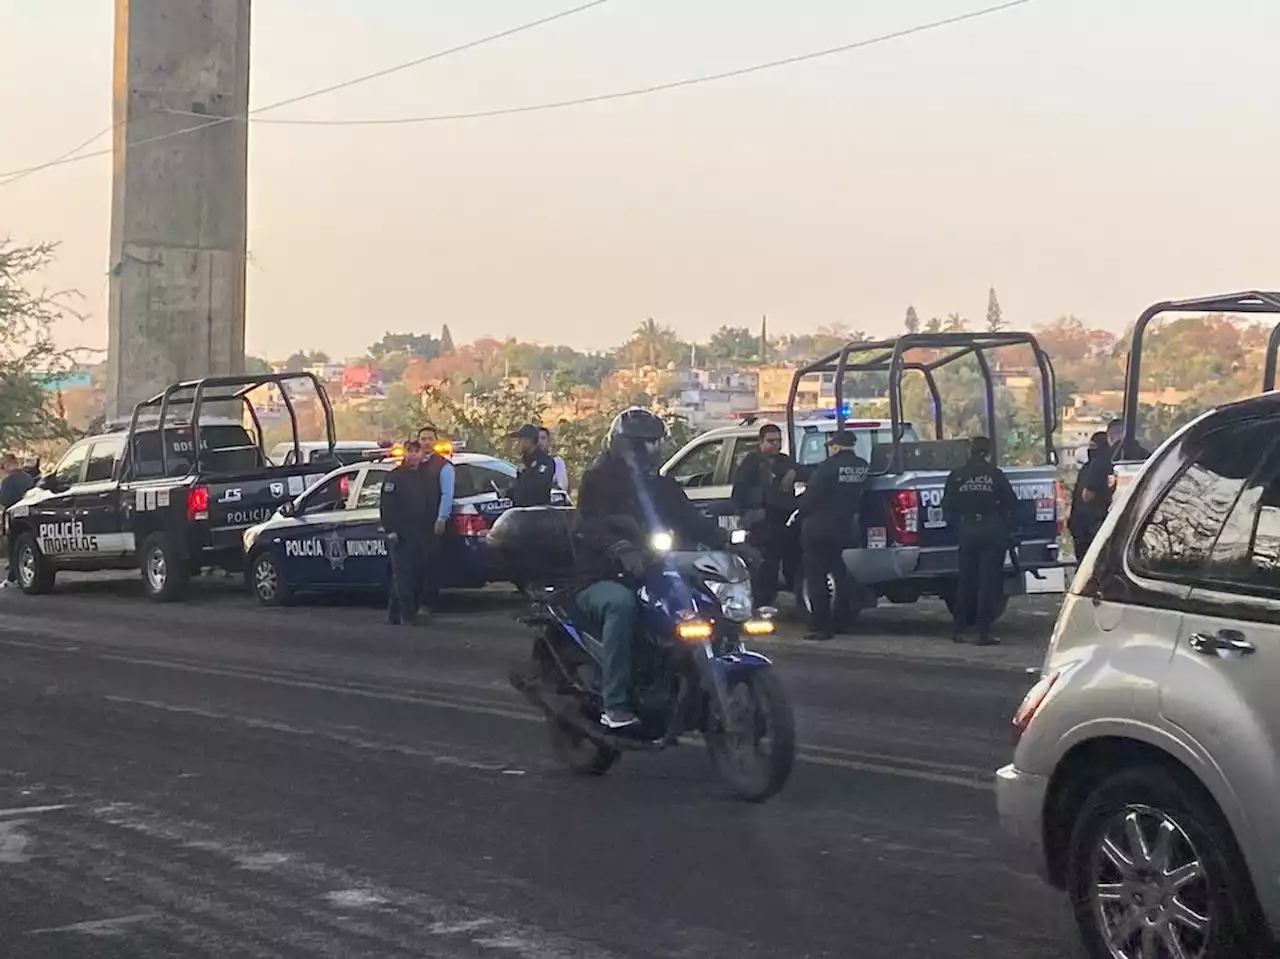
(618, 718)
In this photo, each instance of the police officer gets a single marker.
(538, 471)
(764, 495)
(406, 517)
(979, 503)
(829, 516)
(437, 486)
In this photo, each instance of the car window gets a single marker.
(1181, 535)
(370, 495)
(1247, 551)
(71, 466)
(698, 468)
(742, 448)
(329, 496)
(472, 479)
(224, 447)
(102, 459)
(813, 445)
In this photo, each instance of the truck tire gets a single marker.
(856, 604)
(165, 572)
(267, 581)
(34, 573)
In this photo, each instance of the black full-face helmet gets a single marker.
(638, 436)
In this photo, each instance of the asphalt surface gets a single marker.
(212, 779)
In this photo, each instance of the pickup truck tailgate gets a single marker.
(239, 501)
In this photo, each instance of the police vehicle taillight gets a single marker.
(198, 503)
(469, 524)
(904, 517)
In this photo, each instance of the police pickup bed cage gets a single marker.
(167, 492)
(904, 547)
(1128, 465)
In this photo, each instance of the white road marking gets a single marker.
(354, 898)
(29, 810)
(96, 927)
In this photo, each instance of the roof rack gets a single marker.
(889, 356)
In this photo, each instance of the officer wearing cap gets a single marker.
(979, 502)
(538, 470)
(828, 525)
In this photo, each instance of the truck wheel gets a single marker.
(165, 572)
(949, 597)
(267, 580)
(35, 574)
(856, 602)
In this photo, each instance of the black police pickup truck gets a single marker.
(171, 492)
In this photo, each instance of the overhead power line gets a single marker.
(6, 179)
(72, 157)
(657, 87)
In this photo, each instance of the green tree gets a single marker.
(995, 317)
(912, 322)
(28, 355)
(934, 325)
(955, 323)
(446, 341)
(481, 419)
(654, 345)
(256, 365)
(422, 345)
(732, 343)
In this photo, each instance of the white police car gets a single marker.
(330, 539)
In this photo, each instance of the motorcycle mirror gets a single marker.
(738, 537)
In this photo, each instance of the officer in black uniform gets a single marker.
(538, 471)
(829, 519)
(764, 495)
(406, 517)
(979, 503)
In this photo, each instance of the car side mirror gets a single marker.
(53, 483)
(288, 509)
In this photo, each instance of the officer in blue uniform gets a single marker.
(437, 482)
(406, 519)
(538, 471)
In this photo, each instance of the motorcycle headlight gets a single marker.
(734, 599)
(661, 542)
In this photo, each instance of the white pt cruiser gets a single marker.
(1146, 778)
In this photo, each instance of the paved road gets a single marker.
(211, 779)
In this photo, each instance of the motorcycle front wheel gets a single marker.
(755, 754)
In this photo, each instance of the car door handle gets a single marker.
(1223, 641)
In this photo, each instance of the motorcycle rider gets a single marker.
(623, 500)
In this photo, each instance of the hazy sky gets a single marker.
(1085, 156)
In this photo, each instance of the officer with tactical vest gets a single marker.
(979, 503)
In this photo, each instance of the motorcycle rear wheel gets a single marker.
(761, 710)
(578, 753)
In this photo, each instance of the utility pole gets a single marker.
(179, 205)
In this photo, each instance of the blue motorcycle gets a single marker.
(691, 674)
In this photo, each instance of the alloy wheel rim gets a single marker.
(1149, 888)
(264, 578)
(157, 569)
(27, 566)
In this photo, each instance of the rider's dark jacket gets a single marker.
(620, 506)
